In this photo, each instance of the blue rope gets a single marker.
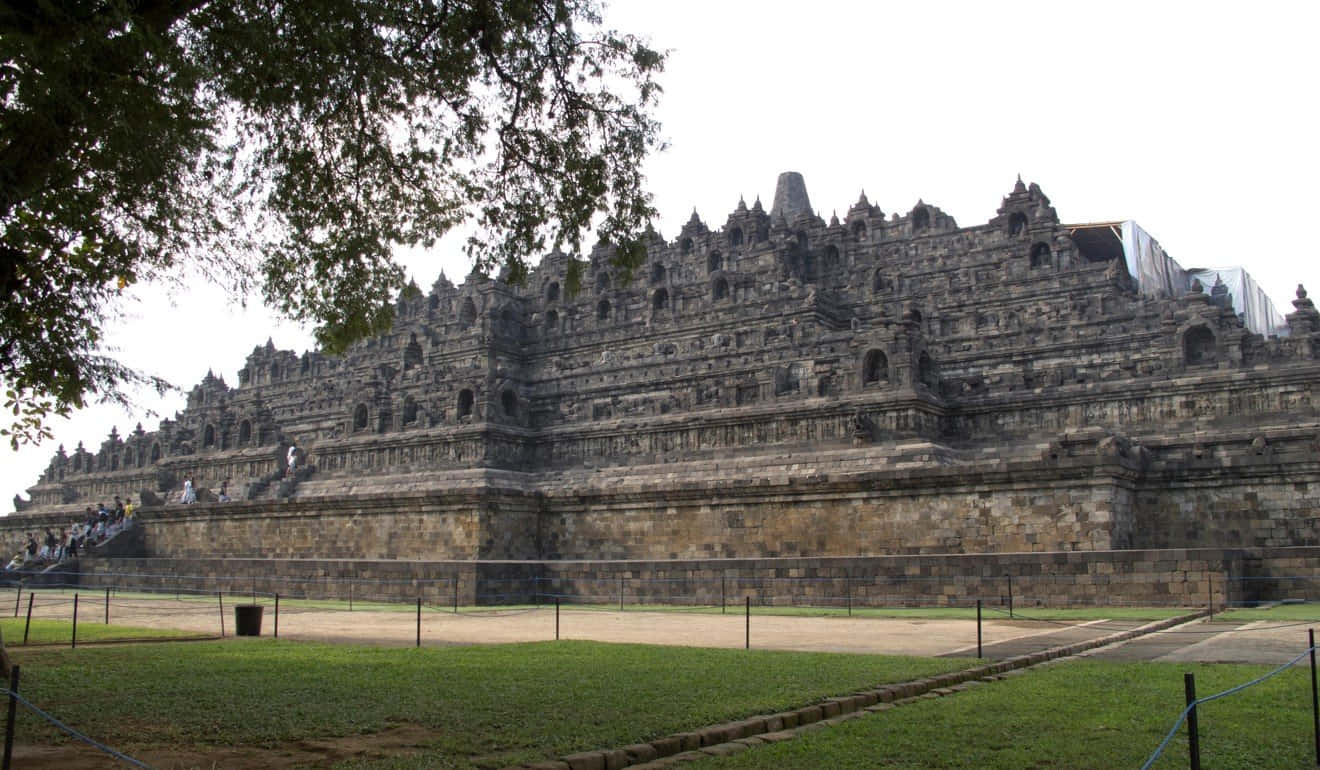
(1231, 691)
(6, 692)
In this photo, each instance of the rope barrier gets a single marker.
(72, 732)
(1230, 691)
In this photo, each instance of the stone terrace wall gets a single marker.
(1260, 503)
(1167, 577)
(939, 510)
(913, 497)
(435, 582)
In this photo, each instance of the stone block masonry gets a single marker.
(779, 386)
(1193, 577)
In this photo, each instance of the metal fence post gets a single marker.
(419, 621)
(28, 624)
(107, 605)
(220, 596)
(747, 642)
(1193, 739)
(277, 616)
(978, 628)
(73, 637)
(1010, 596)
(18, 598)
(556, 617)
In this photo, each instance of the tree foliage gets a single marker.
(288, 147)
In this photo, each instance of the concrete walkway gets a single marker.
(1215, 642)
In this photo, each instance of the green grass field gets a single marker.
(1078, 715)
(489, 706)
(61, 632)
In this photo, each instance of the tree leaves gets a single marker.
(295, 145)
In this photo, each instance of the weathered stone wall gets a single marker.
(1265, 507)
(955, 511)
(1166, 577)
(435, 582)
(914, 497)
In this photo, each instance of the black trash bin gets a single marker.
(247, 619)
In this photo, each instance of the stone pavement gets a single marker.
(1215, 642)
(1040, 635)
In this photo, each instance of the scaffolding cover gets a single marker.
(1257, 310)
(1157, 274)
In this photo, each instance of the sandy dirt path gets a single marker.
(441, 626)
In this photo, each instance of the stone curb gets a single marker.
(733, 737)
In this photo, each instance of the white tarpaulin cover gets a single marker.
(1158, 275)
(1256, 309)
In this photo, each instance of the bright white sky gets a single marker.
(1198, 120)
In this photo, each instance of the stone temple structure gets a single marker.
(778, 386)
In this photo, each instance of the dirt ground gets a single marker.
(834, 633)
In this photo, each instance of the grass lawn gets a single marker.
(1077, 714)
(61, 632)
(1284, 613)
(490, 706)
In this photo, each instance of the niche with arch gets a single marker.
(1041, 256)
(1199, 346)
(719, 289)
(465, 400)
(552, 291)
(875, 368)
(244, 433)
(1017, 223)
(657, 274)
(830, 258)
(736, 236)
(926, 372)
(467, 313)
(360, 417)
(208, 437)
(509, 403)
(714, 262)
(603, 310)
(660, 299)
(920, 219)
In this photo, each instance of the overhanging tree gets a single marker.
(288, 148)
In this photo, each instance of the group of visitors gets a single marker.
(96, 526)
